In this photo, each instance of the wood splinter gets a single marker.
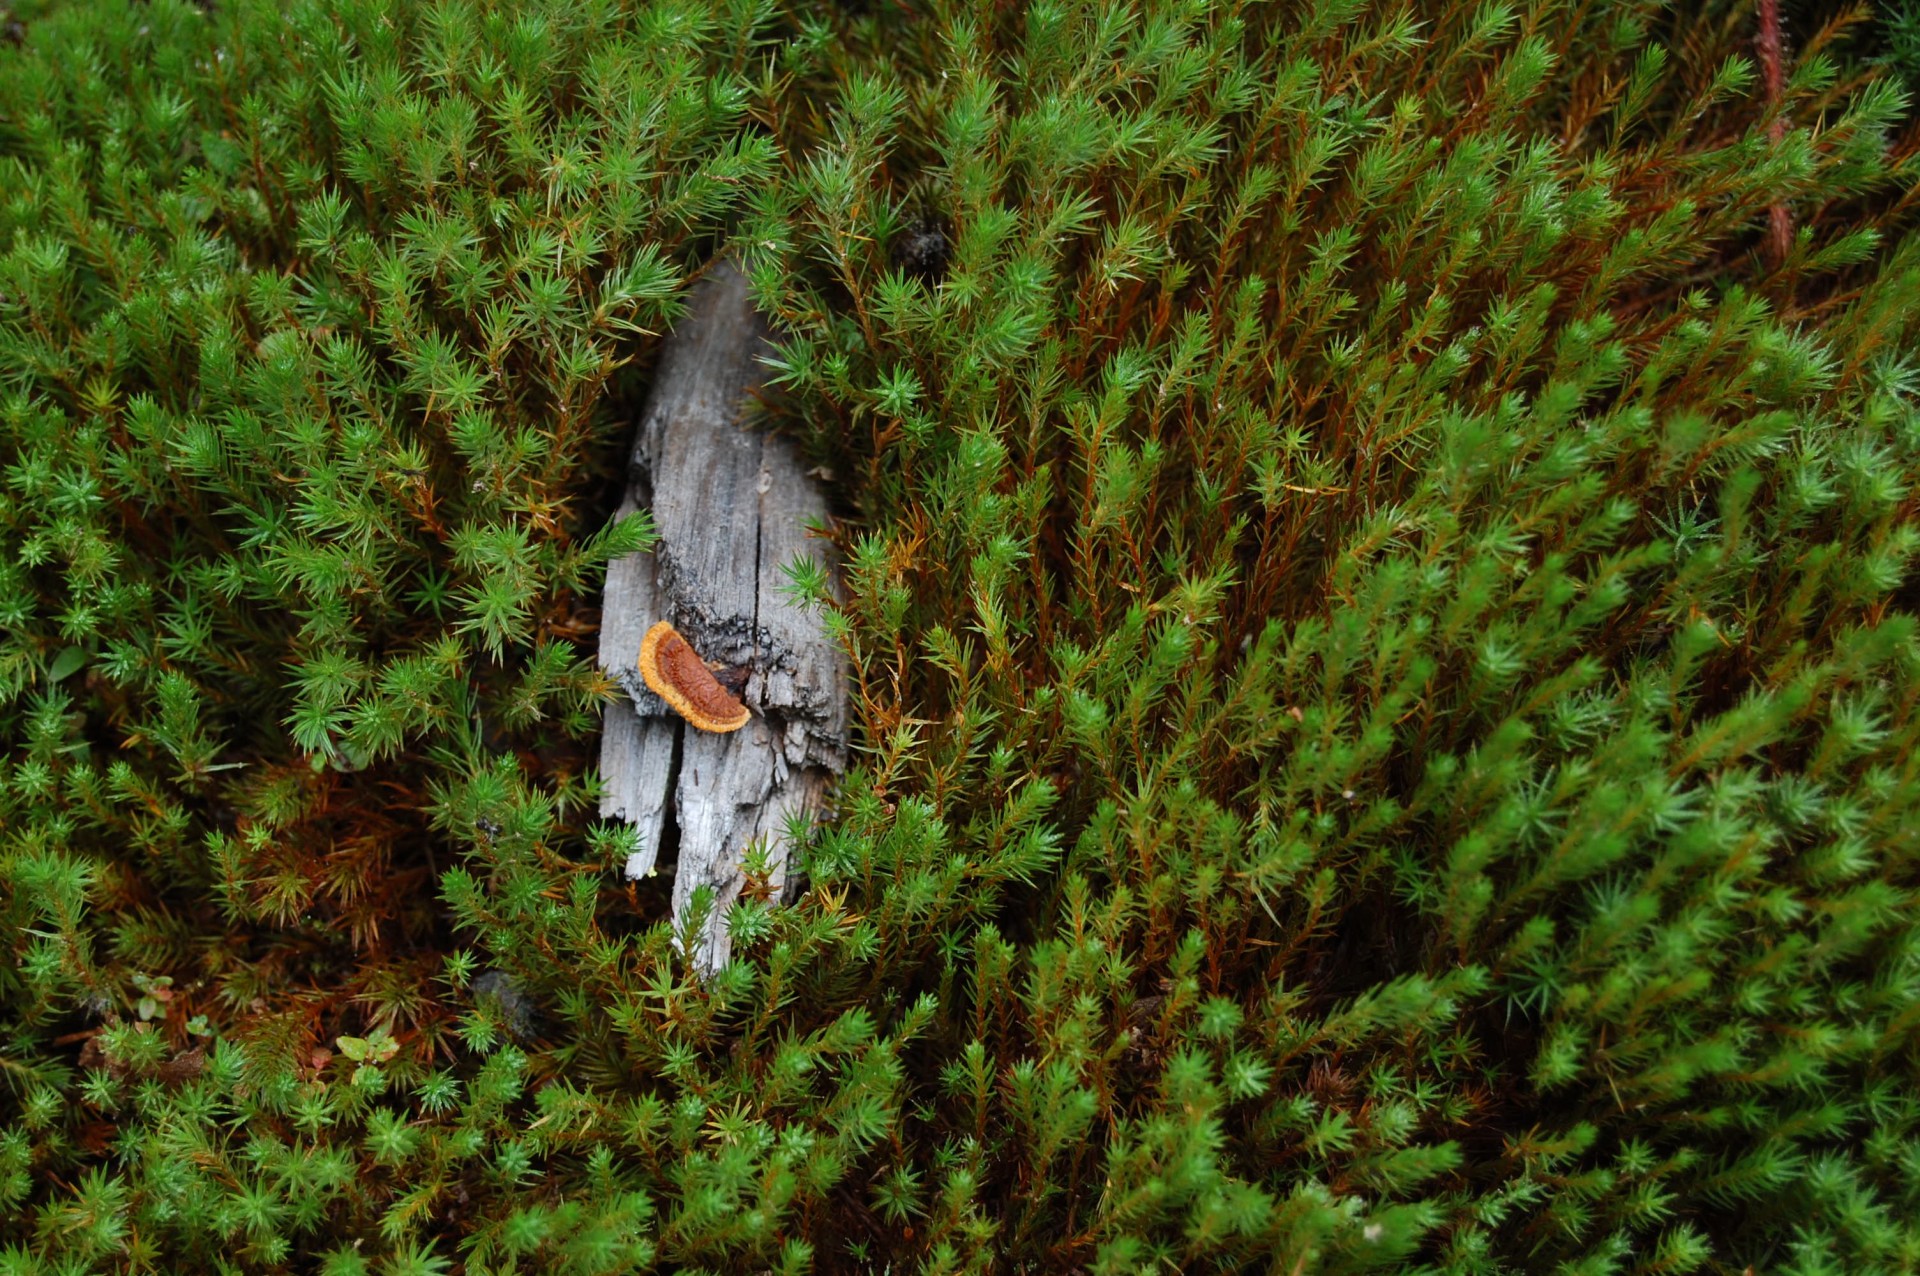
(731, 503)
(677, 675)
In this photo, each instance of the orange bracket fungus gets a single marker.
(677, 675)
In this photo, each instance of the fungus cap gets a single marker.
(674, 670)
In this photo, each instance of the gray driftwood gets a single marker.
(731, 505)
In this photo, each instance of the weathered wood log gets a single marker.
(731, 505)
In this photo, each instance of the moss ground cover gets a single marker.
(1377, 568)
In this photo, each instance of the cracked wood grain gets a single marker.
(731, 505)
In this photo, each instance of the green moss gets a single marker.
(1386, 662)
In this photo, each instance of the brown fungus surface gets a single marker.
(676, 673)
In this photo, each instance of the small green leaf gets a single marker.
(66, 664)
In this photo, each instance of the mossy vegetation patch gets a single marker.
(1378, 592)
